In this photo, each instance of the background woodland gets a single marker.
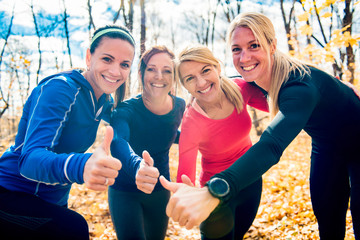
(36, 42)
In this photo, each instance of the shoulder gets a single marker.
(179, 103)
(192, 116)
(248, 88)
(62, 80)
(58, 87)
(127, 108)
(300, 87)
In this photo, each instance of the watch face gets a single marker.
(219, 187)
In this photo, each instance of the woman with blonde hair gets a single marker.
(217, 124)
(302, 97)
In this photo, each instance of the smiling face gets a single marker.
(250, 59)
(158, 76)
(202, 80)
(109, 65)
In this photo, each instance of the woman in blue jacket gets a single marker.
(149, 121)
(59, 123)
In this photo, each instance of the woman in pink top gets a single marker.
(217, 124)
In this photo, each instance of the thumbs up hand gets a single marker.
(101, 168)
(147, 175)
(188, 205)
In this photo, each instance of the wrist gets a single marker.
(219, 188)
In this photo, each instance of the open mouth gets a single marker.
(249, 68)
(110, 80)
(206, 90)
(158, 85)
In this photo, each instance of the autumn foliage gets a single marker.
(285, 211)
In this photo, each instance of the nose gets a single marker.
(115, 70)
(244, 56)
(158, 74)
(200, 81)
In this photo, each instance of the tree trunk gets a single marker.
(2, 97)
(39, 42)
(66, 29)
(347, 22)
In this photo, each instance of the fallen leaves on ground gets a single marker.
(285, 211)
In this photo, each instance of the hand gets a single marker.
(147, 175)
(101, 168)
(188, 205)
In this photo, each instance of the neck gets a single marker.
(212, 106)
(87, 75)
(158, 105)
(264, 84)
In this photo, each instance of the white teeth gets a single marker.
(110, 80)
(206, 90)
(158, 85)
(249, 67)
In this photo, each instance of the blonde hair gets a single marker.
(283, 65)
(202, 54)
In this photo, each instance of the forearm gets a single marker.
(48, 167)
(252, 165)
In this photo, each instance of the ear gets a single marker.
(218, 68)
(88, 58)
(273, 46)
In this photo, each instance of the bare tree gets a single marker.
(129, 15)
(91, 20)
(157, 25)
(143, 27)
(66, 30)
(37, 31)
(5, 99)
(287, 21)
(347, 25)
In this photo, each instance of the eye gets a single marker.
(206, 70)
(235, 49)
(107, 59)
(150, 69)
(188, 79)
(125, 65)
(254, 46)
(167, 71)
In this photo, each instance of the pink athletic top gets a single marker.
(221, 142)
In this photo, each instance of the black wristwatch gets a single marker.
(218, 188)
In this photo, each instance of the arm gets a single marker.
(296, 105)
(253, 95)
(188, 149)
(120, 147)
(47, 115)
(177, 138)
(141, 170)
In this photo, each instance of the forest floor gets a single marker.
(285, 211)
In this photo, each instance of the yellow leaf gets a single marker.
(330, 2)
(303, 17)
(326, 15)
(306, 30)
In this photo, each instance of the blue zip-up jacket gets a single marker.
(59, 123)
